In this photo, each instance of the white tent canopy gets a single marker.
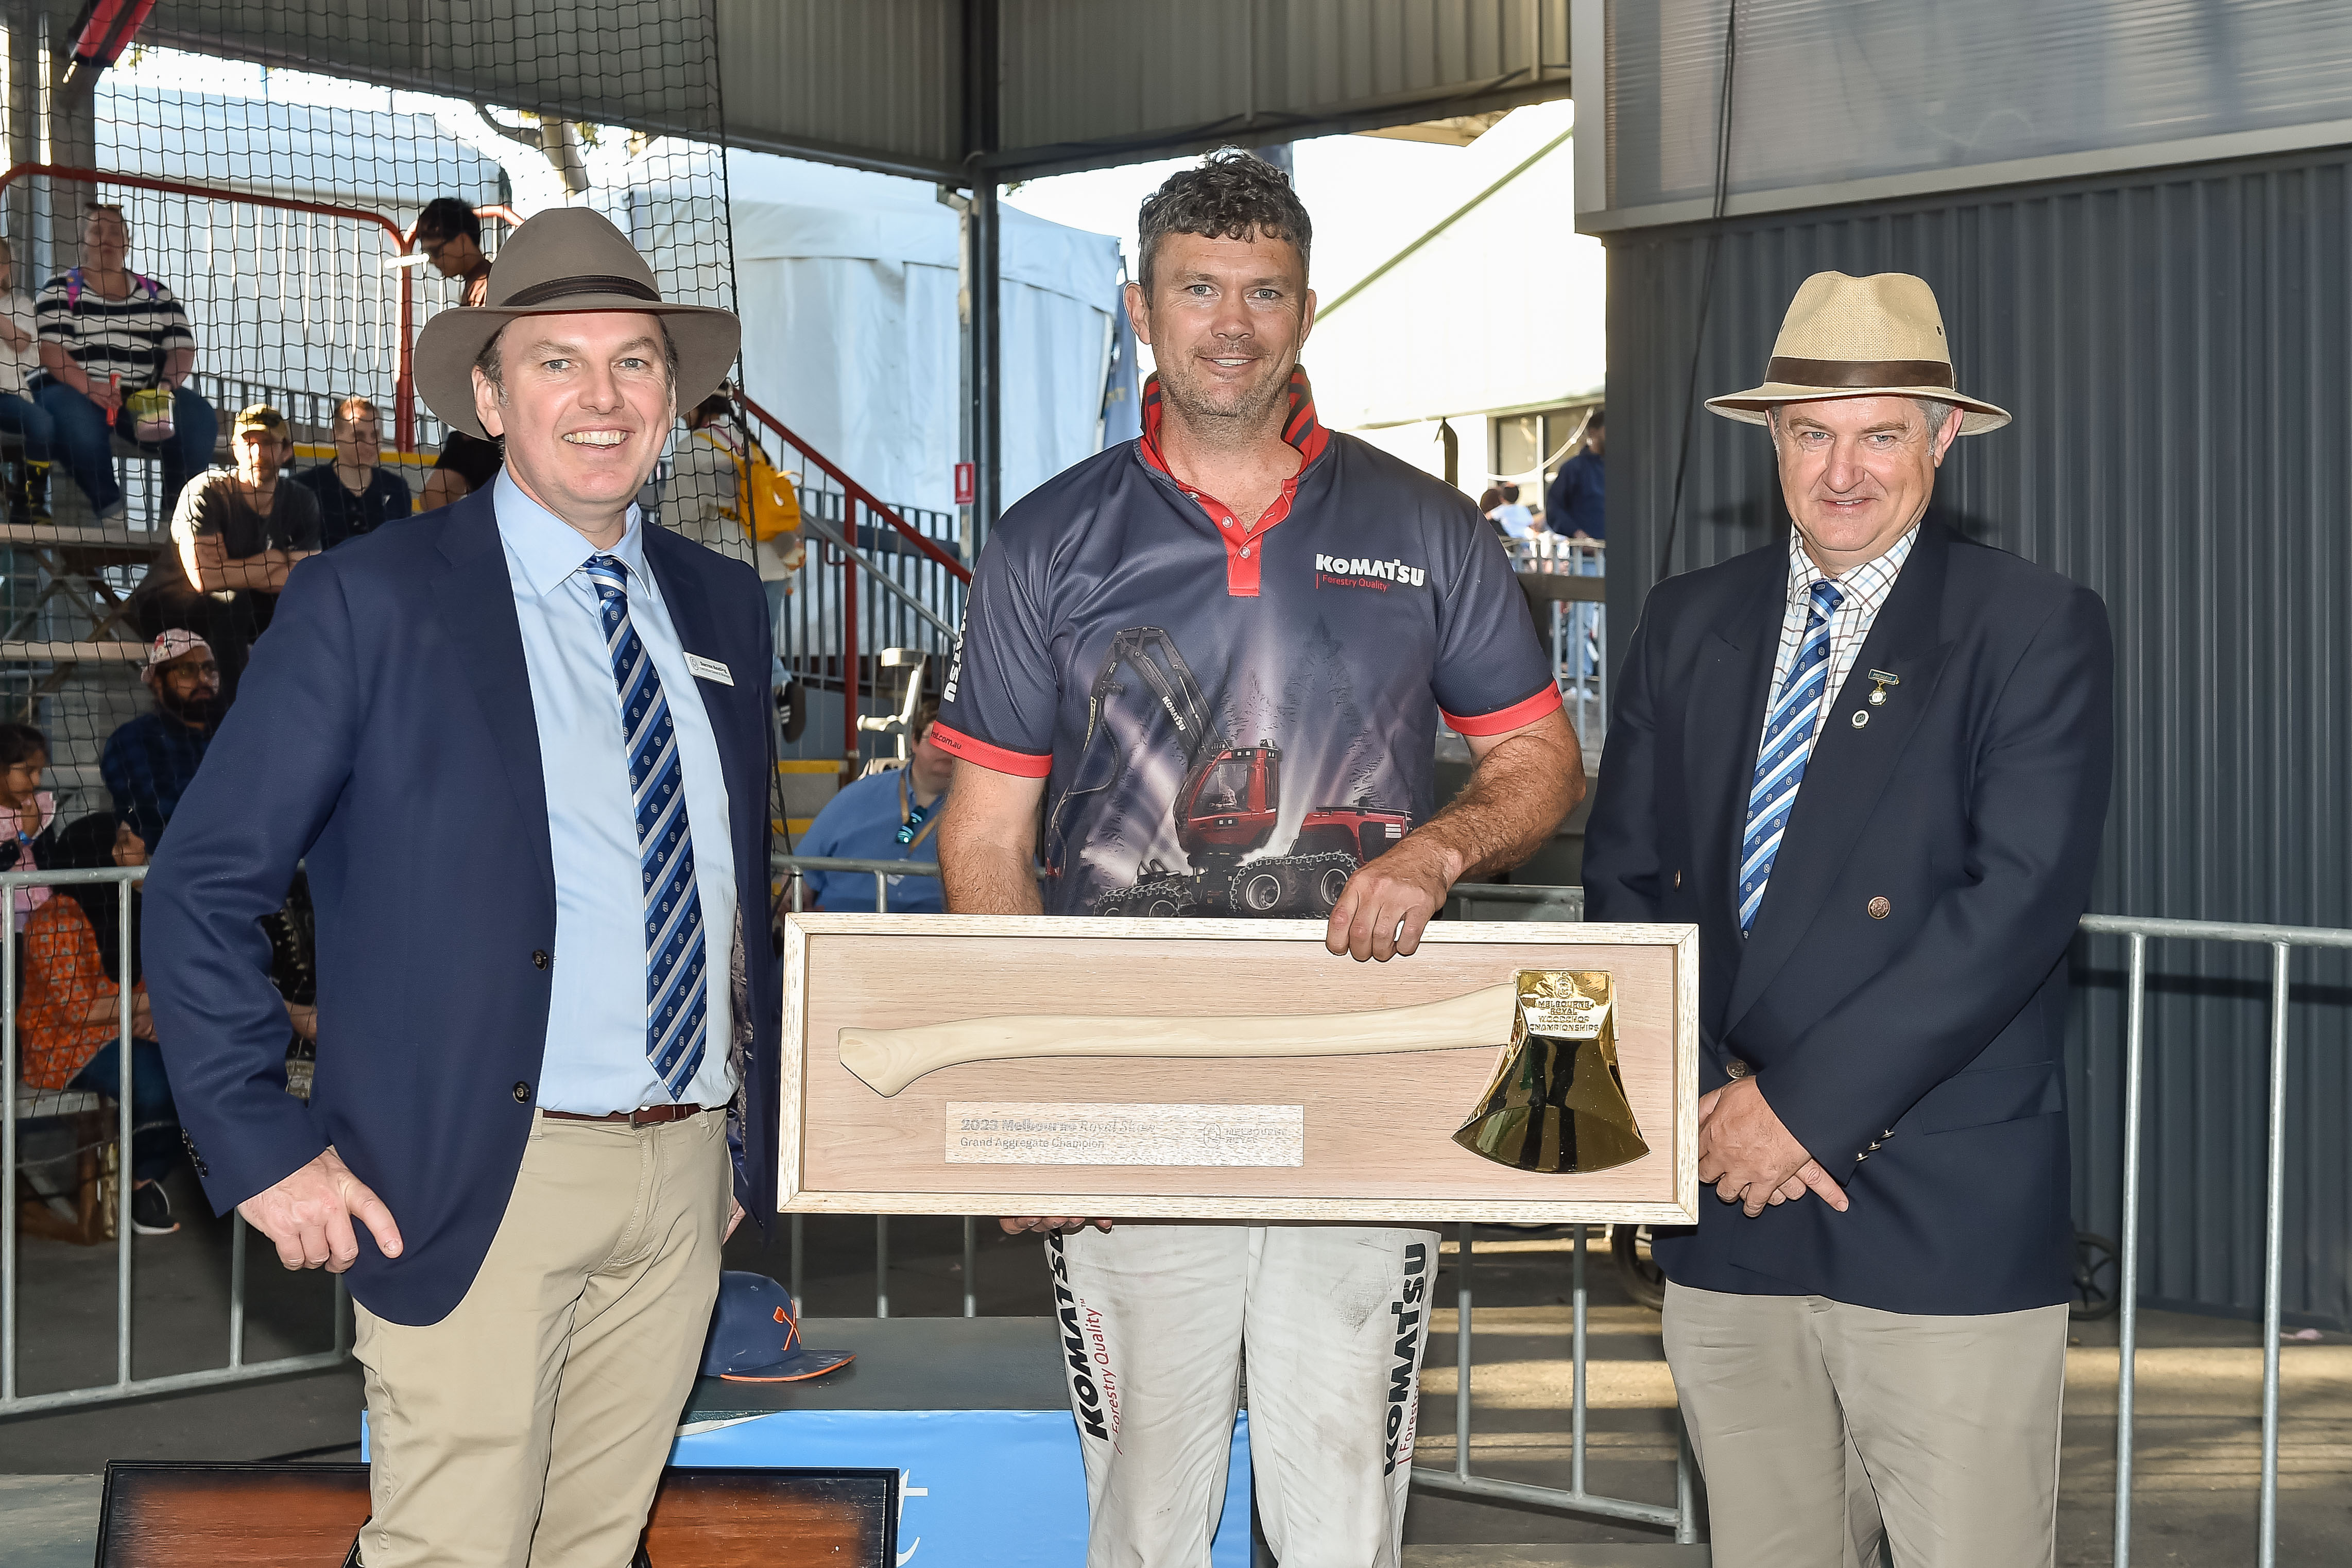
(848, 285)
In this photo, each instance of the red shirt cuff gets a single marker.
(1518, 715)
(995, 759)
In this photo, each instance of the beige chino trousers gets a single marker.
(530, 1425)
(1837, 1434)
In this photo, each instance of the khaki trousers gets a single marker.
(530, 1425)
(1830, 1433)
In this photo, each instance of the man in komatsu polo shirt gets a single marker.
(1216, 658)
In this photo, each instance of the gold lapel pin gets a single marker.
(1880, 680)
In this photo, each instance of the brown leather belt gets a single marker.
(643, 1116)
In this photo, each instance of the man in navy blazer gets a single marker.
(523, 746)
(1872, 766)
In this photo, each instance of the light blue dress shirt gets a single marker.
(595, 1058)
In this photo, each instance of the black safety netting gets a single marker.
(213, 210)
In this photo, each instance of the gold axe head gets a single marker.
(1556, 1103)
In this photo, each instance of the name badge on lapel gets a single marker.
(709, 669)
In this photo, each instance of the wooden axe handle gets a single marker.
(888, 1059)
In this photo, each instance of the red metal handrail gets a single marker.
(403, 396)
(850, 562)
(859, 493)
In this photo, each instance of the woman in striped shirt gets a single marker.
(107, 332)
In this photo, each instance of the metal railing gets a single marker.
(2282, 940)
(1578, 628)
(877, 576)
(125, 1386)
(880, 870)
(1682, 1518)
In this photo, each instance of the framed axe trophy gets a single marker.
(1204, 1068)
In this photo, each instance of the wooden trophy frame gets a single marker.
(1362, 1138)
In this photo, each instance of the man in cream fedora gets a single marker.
(523, 743)
(1871, 764)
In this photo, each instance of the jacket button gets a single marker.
(539, 960)
(1678, 879)
(522, 1093)
(1737, 1070)
(1879, 908)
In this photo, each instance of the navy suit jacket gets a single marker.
(1916, 1053)
(384, 733)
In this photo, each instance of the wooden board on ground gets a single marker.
(1365, 1137)
(305, 1516)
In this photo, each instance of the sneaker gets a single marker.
(151, 1210)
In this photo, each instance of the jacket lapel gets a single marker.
(1849, 767)
(475, 602)
(1728, 694)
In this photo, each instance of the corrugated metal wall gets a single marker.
(2177, 347)
(881, 79)
(1084, 71)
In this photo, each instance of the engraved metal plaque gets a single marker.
(1050, 1132)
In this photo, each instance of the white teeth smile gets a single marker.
(597, 437)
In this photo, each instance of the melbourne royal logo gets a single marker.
(1359, 572)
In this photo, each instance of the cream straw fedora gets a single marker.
(568, 259)
(1879, 336)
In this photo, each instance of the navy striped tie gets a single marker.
(677, 998)
(1780, 759)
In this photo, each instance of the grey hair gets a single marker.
(491, 361)
(1935, 410)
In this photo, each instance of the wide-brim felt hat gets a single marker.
(1880, 336)
(565, 260)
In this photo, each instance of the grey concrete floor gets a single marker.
(2198, 1422)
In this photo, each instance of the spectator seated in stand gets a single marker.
(29, 814)
(892, 815)
(449, 232)
(239, 532)
(116, 352)
(20, 359)
(150, 759)
(356, 493)
(1515, 521)
(69, 1020)
(703, 499)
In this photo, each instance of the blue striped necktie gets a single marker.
(678, 1000)
(1780, 759)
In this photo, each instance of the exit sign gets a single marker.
(967, 481)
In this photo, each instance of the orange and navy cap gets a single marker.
(755, 1336)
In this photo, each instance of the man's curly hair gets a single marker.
(1229, 194)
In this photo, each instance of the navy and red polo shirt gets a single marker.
(1230, 720)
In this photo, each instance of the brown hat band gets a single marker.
(1859, 372)
(561, 287)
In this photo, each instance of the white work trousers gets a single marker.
(1154, 1322)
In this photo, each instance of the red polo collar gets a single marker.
(1243, 553)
